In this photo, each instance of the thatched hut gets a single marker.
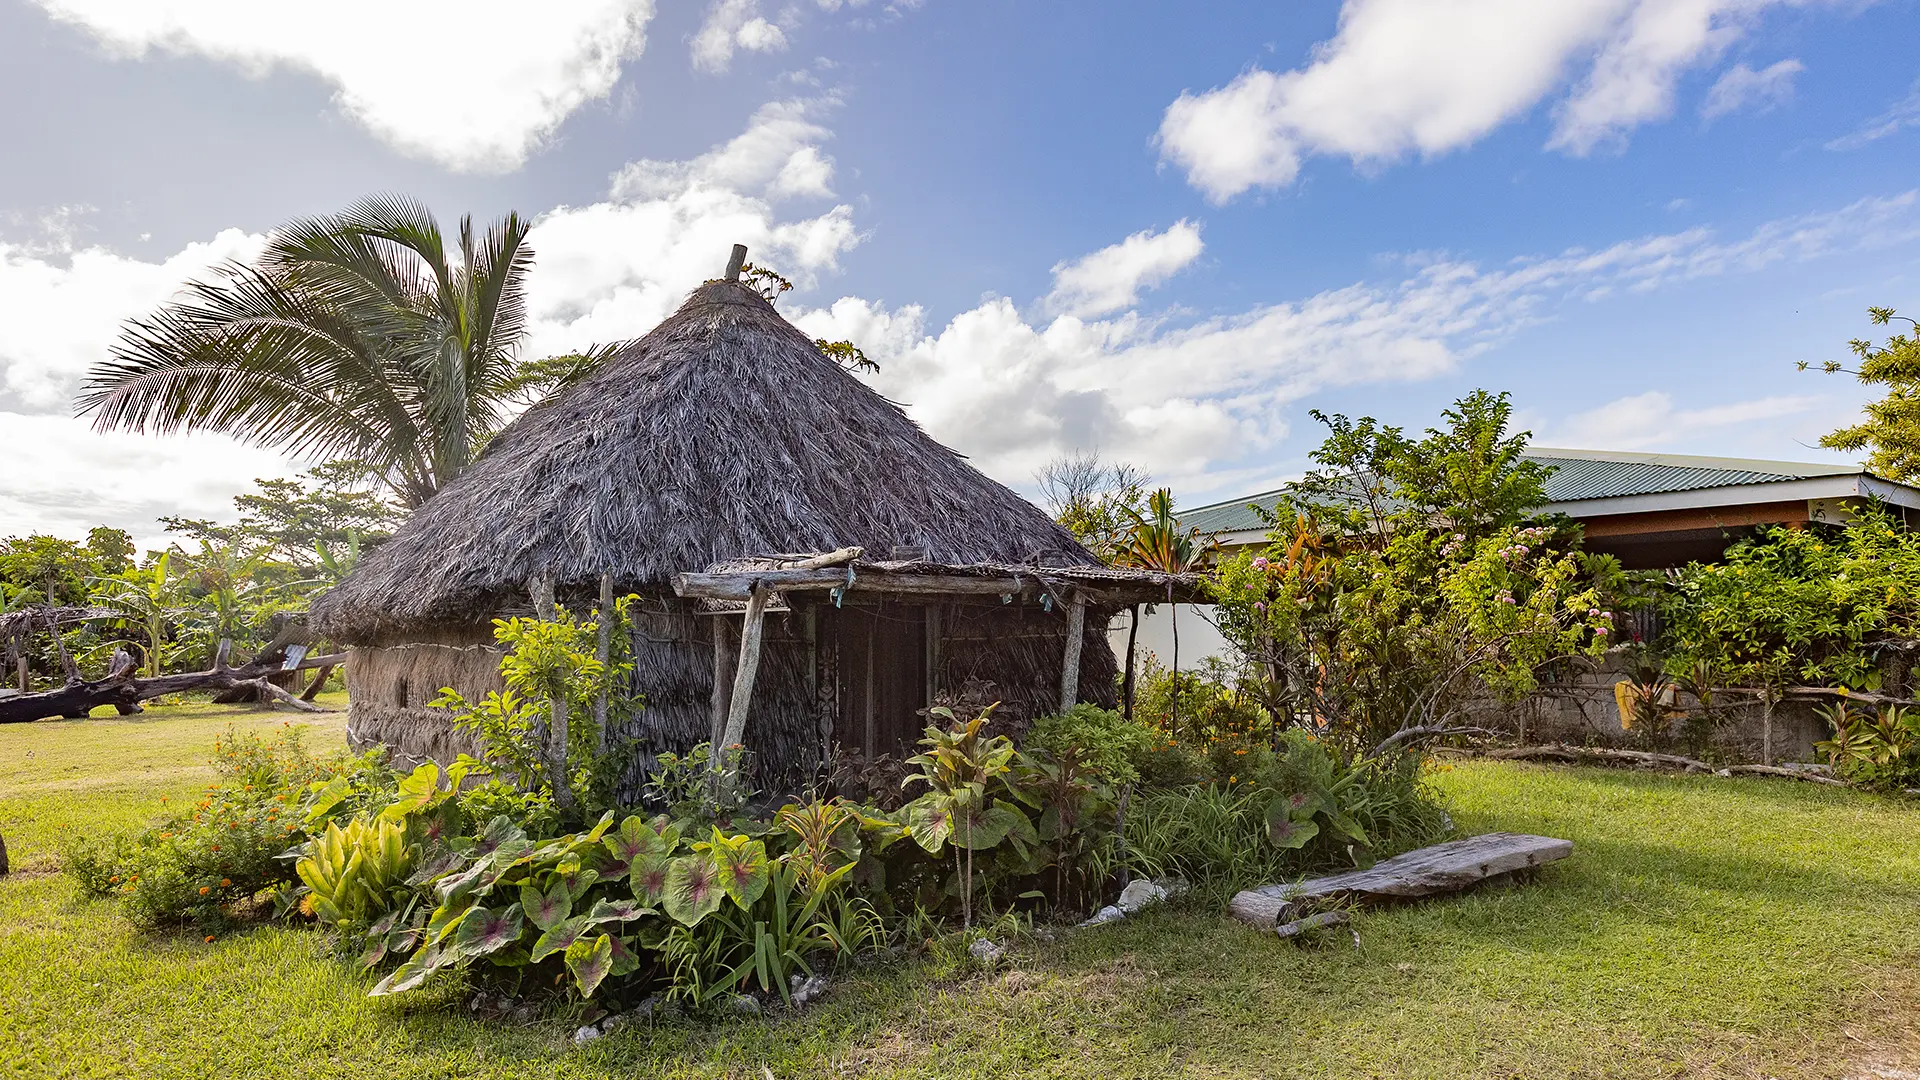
(705, 468)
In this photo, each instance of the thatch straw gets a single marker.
(724, 432)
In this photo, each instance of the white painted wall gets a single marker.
(1199, 638)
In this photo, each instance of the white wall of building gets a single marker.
(1199, 638)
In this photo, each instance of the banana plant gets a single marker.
(151, 599)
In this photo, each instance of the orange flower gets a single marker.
(204, 890)
(226, 883)
(209, 937)
(216, 847)
(114, 880)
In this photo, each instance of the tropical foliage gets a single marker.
(1816, 605)
(171, 608)
(1407, 577)
(523, 866)
(1890, 432)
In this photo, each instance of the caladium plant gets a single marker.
(693, 889)
(740, 865)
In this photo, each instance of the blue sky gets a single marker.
(1162, 234)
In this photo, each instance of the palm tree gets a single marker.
(357, 334)
(1156, 542)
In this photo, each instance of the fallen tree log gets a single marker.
(1775, 770)
(123, 690)
(1569, 752)
(1448, 867)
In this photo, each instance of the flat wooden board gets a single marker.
(1448, 867)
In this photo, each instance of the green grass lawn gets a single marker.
(1703, 927)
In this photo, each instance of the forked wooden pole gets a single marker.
(603, 650)
(749, 667)
(1070, 664)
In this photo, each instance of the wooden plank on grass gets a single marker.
(1448, 867)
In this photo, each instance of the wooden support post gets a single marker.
(735, 262)
(545, 607)
(318, 684)
(933, 653)
(1133, 634)
(722, 682)
(1766, 728)
(602, 652)
(1070, 665)
(749, 667)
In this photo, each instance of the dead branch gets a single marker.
(122, 689)
(1425, 731)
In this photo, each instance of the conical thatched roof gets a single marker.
(722, 433)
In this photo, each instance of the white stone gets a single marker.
(1105, 915)
(986, 951)
(1139, 895)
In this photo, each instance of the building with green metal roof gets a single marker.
(1651, 510)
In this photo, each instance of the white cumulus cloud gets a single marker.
(1741, 87)
(1402, 77)
(735, 26)
(1111, 278)
(61, 307)
(610, 270)
(475, 85)
(1652, 420)
(1190, 395)
(732, 25)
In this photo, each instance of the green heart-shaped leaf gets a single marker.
(591, 961)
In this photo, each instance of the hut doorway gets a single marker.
(883, 677)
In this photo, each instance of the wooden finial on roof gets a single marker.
(734, 262)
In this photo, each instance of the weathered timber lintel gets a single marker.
(738, 585)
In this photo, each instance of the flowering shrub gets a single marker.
(199, 863)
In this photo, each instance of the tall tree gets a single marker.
(302, 521)
(1097, 500)
(361, 334)
(1891, 431)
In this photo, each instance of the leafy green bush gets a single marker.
(358, 874)
(697, 785)
(1877, 750)
(1805, 605)
(555, 682)
(1104, 744)
(1281, 813)
(1212, 701)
